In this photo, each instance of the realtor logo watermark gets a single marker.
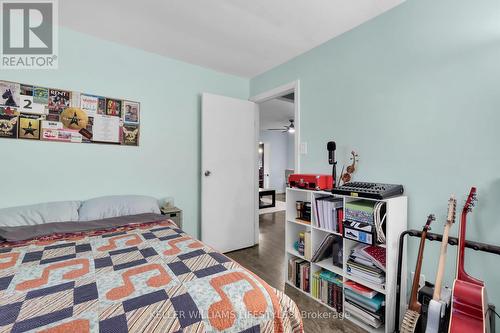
(29, 32)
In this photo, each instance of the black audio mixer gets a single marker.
(369, 190)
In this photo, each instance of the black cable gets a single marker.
(491, 309)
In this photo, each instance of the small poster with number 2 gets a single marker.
(27, 103)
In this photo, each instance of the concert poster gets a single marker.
(28, 104)
(130, 136)
(131, 112)
(58, 100)
(113, 107)
(8, 126)
(9, 93)
(41, 95)
(29, 127)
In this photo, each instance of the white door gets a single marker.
(229, 219)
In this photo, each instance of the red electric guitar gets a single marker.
(469, 308)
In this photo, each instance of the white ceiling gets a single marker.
(241, 37)
(275, 113)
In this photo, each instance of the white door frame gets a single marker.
(294, 87)
(267, 154)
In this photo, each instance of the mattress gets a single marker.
(134, 274)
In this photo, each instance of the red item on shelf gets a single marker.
(311, 181)
(340, 220)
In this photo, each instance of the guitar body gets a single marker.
(434, 313)
(410, 321)
(469, 308)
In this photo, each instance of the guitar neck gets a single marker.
(461, 274)
(414, 305)
(441, 266)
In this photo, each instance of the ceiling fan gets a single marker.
(287, 128)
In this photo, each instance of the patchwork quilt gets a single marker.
(140, 277)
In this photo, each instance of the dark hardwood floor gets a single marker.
(268, 261)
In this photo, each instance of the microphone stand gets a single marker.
(334, 171)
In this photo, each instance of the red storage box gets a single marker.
(311, 181)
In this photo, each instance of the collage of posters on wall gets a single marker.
(39, 113)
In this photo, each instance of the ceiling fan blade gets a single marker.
(275, 129)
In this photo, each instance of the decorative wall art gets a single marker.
(47, 114)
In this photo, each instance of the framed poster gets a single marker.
(49, 114)
(9, 93)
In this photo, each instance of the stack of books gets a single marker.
(365, 304)
(298, 273)
(327, 287)
(329, 213)
(367, 263)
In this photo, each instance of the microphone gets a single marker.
(331, 147)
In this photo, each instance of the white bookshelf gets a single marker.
(396, 223)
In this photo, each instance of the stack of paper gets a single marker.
(368, 264)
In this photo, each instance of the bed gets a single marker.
(136, 273)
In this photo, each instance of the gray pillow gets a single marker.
(39, 213)
(117, 205)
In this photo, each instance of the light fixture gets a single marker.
(261, 150)
(291, 130)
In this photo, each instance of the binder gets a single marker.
(324, 249)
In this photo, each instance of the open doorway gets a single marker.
(276, 151)
(277, 139)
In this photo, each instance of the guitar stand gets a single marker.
(477, 246)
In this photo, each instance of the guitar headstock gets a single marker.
(471, 200)
(430, 219)
(452, 210)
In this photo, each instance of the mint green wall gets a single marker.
(168, 160)
(416, 92)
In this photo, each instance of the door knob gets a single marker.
(207, 173)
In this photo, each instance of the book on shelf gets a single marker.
(298, 273)
(362, 315)
(369, 270)
(364, 303)
(307, 245)
(324, 250)
(326, 212)
(375, 254)
(340, 220)
(360, 289)
(338, 252)
(327, 287)
(360, 211)
(373, 304)
(363, 276)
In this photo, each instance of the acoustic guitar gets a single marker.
(469, 307)
(437, 309)
(412, 314)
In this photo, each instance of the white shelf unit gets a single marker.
(396, 223)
